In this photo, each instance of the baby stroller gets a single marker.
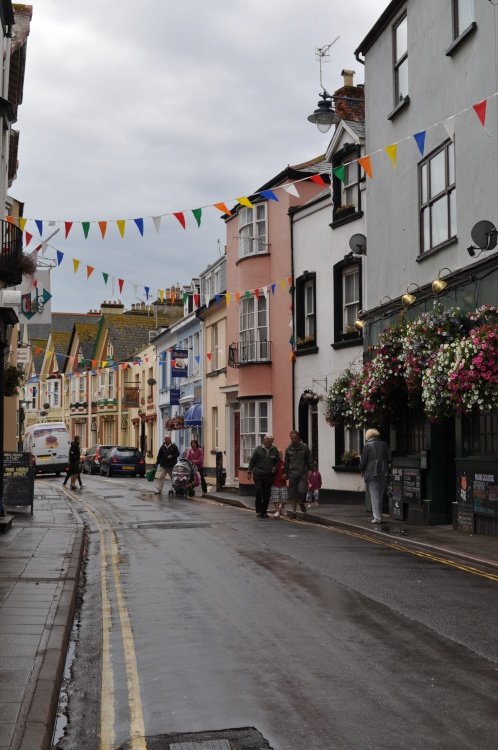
(183, 479)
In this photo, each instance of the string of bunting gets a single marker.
(173, 292)
(180, 216)
(365, 162)
(94, 365)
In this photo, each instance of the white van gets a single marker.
(48, 443)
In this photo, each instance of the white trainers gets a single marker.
(277, 514)
(376, 520)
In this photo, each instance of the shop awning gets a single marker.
(193, 416)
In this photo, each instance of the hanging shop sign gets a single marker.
(179, 363)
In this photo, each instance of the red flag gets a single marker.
(120, 285)
(197, 299)
(67, 227)
(480, 110)
(256, 293)
(209, 355)
(318, 179)
(181, 218)
(28, 238)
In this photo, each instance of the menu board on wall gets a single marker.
(485, 491)
(412, 485)
(397, 492)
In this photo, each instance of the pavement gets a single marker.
(40, 561)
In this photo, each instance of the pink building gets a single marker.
(259, 389)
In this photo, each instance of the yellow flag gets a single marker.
(161, 294)
(121, 226)
(391, 151)
(282, 283)
(76, 264)
(245, 202)
(228, 297)
(22, 224)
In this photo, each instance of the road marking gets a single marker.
(380, 542)
(137, 725)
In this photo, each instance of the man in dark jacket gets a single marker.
(298, 462)
(262, 467)
(166, 459)
(374, 465)
(74, 461)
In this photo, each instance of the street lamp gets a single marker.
(324, 115)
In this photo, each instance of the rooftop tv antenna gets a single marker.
(322, 55)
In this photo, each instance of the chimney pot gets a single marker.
(348, 76)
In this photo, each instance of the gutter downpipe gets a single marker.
(293, 319)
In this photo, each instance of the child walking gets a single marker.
(314, 484)
(279, 493)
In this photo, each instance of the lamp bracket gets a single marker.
(320, 382)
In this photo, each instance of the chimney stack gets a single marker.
(350, 110)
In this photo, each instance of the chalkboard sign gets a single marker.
(18, 480)
(465, 519)
(397, 493)
(412, 485)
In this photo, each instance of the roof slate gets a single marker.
(128, 333)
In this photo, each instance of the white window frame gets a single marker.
(254, 424)
(309, 308)
(82, 387)
(254, 329)
(215, 349)
(353, 440)
(195, 354)
(400, 58)
(431, 200)
(215, 427)
(253, 230)
(111, 382)
(351, 185)
(348, 319)
(463, 16)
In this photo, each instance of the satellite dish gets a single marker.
(484, 235)
(358, 244)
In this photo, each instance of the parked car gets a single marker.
(93, 457)
(123, 460)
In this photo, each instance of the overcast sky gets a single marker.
(136, 109)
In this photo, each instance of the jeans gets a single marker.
(263, 485)
(200, 469)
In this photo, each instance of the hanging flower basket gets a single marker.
(309, 397)
(13, 378)
(474, 381)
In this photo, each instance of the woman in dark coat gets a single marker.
(374, 465)
(74, 461)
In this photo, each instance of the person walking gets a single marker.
(262, 465)
(167, 457)
(279, 492)
(298, 462)
(374, 465)
(74, 461)
(196, 456)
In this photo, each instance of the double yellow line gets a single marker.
(109, 568)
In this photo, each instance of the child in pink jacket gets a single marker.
(314, 484)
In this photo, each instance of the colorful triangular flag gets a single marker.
(39, 224)
(222, 207)
(86, 228)
(420, 141)
(480, 110)
(140, 225)
(76, 264)
(269, 195)
(121, 226)
(291, 189)
(181, 218)
(197, 215)
(365, 163)
(103, 228)
(60, 256)
(392, 152)
(67, 228)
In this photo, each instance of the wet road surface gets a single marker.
(214, 619)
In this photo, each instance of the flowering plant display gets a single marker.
(435, 359)
(383, 385)
(309, 397)
(422, 339)
(473, 383)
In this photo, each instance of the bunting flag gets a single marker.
(449, 125)
(197, 358)
(39, 225)
(247, 294)
(89, 271)
(291, 189)
(59, 257)
(76, 264)
(86, 228)
(197, 215)
(318, 179)
(209, 355)
(228, 298)
(365, 163)
(121, 227)
(105, 276)
(340, 173)
(156, 220)
(480, 110)
(197, 299)
(140, 225)
(103, 228)
(67, 228)
(282, 283)
(22, 223)
(181, 218)
(420, 141)
(273, 288)
(269, 195)
(244, 201)
(392, 152)
(257, 293)
(147, 290)
(222, 207)
(237, 296)
(120, 285)
(28, 237)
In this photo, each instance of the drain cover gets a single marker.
(205, 745)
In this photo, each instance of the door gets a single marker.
(236, 443)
